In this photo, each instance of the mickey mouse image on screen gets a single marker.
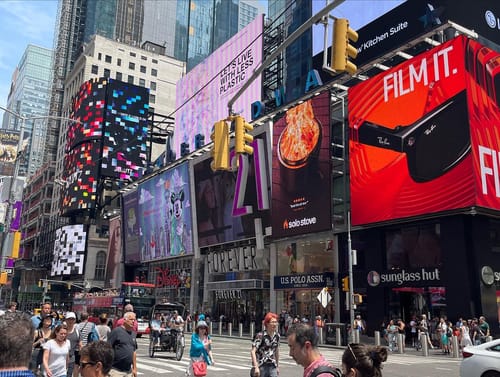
(177, 226)
(433, 145)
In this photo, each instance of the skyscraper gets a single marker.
(29, 97)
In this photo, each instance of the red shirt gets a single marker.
(319, 362)
(119, 322)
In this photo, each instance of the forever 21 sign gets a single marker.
(232, 260)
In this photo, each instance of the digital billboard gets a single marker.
(88, 111)
(9, 141)
(416, 161)
(80, 177)
(203, 93)
(125, 150)
(164, 215)
(113, 276)
(69, 250)
(228, 202)
(301, 169)
(130, 215)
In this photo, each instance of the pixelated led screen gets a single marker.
(88, 111)
(80, 177)
(124, 154)
(69, 250)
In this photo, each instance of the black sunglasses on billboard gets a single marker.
(433, 145)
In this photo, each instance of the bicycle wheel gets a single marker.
(180, 348)
(151, 347)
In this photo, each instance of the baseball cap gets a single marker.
(70, 315)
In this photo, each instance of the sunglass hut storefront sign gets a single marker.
(409, 278)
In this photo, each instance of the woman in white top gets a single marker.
(465, 331)
(56, 353)
(102, 328)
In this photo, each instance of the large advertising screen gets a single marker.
(113, 265)
(125, 152)
(414, 161)
(164, 215)
(69, 250)
(9, 141)
(130, 205)
(227, 203)
(80, 177)
(301, 169)
(202, 95)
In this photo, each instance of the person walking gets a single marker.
(42, 335)
(45, 311)
(102, 328)
(96, 359)
(123, 342)
(303, 348)
(265, 348)
(129, 308)
(465, 339)
(360, 360)
(74, 340)
(16, 344)
(56, 353)
(201, 347)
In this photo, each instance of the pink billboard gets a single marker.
(202, 95)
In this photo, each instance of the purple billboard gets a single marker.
(202, 95)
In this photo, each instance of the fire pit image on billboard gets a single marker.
(433, 144)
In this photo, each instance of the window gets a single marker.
(154, 61)
(107, 73)
(152, 98)
(153, 85)
(133, 54)
(119, 76)
(130, 79)
(144, 57)
(154, 72)
(107, 59)
(99, 56)
(119, 62)
(131, 66)
(143, 69)
(95, 69)
(100, 265)
(142, 82)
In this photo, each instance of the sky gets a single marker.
(24, 22)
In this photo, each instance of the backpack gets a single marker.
(93, 335)
(326, 369)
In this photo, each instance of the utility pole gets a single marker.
(351, 283)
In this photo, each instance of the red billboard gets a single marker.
(419, 137)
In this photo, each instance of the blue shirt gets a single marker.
(17, 373)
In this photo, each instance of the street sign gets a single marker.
(324, 297)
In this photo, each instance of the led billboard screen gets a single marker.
(301, 169)
(202, 95)
(228, 202)
(416, 161)
(69, 250)
(130, 205)
(164, 215)
(114, 253)
(125, 152)
(9, 141)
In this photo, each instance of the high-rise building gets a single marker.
(29, 97)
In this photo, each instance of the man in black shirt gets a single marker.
(122, 339)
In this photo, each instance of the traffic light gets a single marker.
(3, 277)
(345, 284)
(357, 298)
(184, 149)
(40, 284)
(342, 50)
(241, 137)
(220, 149)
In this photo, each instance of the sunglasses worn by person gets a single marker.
(433, 145)
(83, 364)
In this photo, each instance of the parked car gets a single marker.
(482, 360)
(142, 327)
